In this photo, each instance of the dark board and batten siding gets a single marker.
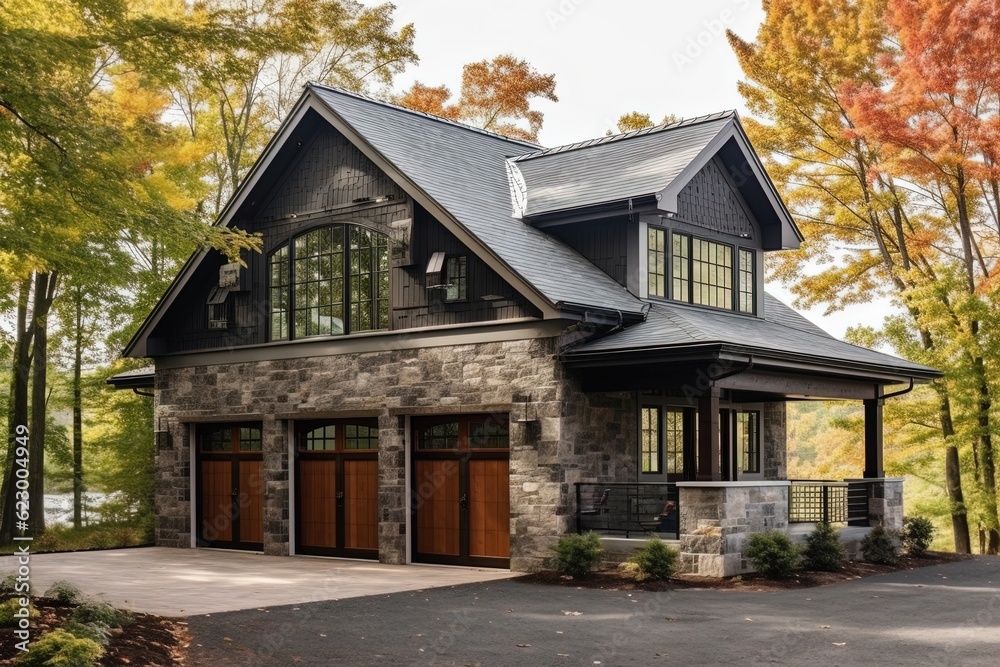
(333, 182)
(603, 242)
(413, 305)
(710, 201)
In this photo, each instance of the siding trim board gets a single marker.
(376, 341)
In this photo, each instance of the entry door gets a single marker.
(230, 487)
(461, 490)
(337, 488)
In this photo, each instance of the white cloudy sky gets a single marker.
(609, 57)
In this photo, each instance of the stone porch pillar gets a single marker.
(716, 518)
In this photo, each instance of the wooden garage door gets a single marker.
(461, 490)
(337, 488)
(230, 495)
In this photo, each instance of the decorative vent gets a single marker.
(401, 242)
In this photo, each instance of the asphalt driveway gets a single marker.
(939, 615)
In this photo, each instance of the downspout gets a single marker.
(900, 392)
(139, 392)
(734, 372)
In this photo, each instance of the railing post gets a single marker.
(826, 503)
(576, 512)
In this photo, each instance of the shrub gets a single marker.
(101, 612)
(64, 592)
(61, 649)
(656, 560)
(917, 535)
(772, 554)
(823, 549)
(7, 586)
(11, 607)
(879, 546)
(576, 555)
(94, 631)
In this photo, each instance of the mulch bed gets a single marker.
(616, 580)
(149, 641)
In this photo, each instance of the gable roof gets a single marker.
(782, 332)
(462, 170)
(652, 162)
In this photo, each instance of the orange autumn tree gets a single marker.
(496, 95)
(938, 121)
(844, 94)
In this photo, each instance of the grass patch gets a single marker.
(94, 536)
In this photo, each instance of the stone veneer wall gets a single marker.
(774, 441)
(572, 436)
(885, 501)
(716, 518)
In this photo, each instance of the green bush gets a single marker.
(11, 607)
(772, 554)
(917, 535)
(101, 612)
(61, 649)
(880, 546)
(97, 632)
(656, 560)
(64, 592)
(576, 555)
(823, 549)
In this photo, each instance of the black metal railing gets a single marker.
(640, 508)
(859, 494)
(812, 501)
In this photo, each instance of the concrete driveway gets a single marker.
(180, 582)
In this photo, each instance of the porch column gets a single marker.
(708, 436)
(874, 467)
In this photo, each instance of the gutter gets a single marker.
(615, 317)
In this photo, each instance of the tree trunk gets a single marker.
(18, 411)
(953, 477)
(45, 284)
(78, 415)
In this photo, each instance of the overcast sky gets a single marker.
(609, 57)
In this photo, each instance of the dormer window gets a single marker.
(701, 271)
(329, 281)
(456, 279)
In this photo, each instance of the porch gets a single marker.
(708, 521)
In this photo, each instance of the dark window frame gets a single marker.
(340, 440)
(651, 441)
(363, 280)
(738, 285)
(456, 276)
(463, 435)
(749, 447)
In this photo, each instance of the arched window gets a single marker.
(329, 281)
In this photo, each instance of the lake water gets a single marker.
(59, 507)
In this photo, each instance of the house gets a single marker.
(457, 347)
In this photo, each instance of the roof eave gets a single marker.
(762, 357)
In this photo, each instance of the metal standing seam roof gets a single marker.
(781, 330)
(464, 171)
(612, 169)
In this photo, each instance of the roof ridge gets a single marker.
(391, 105)
(600, 141)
